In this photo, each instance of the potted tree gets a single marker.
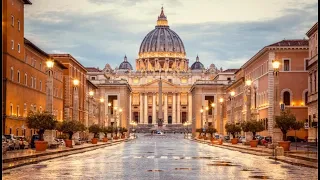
(41, 121)
(70, 127)
(233, 129)
(95, 129)
(285, 122)
(116, 130)
(105, 130)
(254, 127)
(211, 130)
(200, 133)
(123, 131)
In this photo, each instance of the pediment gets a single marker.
(155, 83)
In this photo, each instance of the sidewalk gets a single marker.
(303, 158)
(18, 158)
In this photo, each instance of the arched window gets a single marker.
(26, 79)
(11, 73)
(11, 109)
(306, 98)
(286, 98)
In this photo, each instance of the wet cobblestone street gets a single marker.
(161, 157)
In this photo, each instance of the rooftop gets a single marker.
(93, 69)
(291, 42)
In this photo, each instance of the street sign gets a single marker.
(306, 125)
(282, 107)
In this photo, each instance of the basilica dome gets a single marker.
(197, 65)
(162, 41)
(125, 64)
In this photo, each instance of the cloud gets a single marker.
(98, 32)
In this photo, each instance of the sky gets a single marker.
(226, 33)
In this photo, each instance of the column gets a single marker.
(145, 111)
(130, 113)
(165, 108)
(49, 105)
(75, 104)
(190, 108)
(141, 109)
(154, 109)
(178, 108)
(174, 120)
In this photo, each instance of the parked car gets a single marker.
(226, 138)
(266, 140)
(293, 139)
(241, 139)
(13, 143)
(5, 145)
(34, 137)
(24, 144)
(61, 142)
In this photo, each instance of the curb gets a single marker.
(294, 163)
(34, 160)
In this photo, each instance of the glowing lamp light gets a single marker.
(221, 100)
(212, 104)
(91, 93)
(115, 107)
(120, 110)
(50, 64)
(248, 82)
(302, 104)
(292, 103)
(232, 93)
(207, 108)
(275, 64)
(109, 104)
(101, 100)
(76, 82)
(201, 110)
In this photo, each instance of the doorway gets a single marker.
(169, 119)
(149, 119)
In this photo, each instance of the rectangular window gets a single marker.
(18, 48)
(11, 73)
(26, 59)
(12, 20)
(26, 79)
(32, 82)
(40, 66)
(35, 83)
(18, 111)
(286, 65)
(40, 83)
(11, 109)
(12, 44)
(18, 76)
(306, 64)
(18, 25)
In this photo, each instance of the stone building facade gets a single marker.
(312, 95)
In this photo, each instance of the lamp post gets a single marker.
(101, 112)
(275, 65)
(232, 93)
(248, 97)
(75, 100)
(212, 112)
(91, 93)
(202, 124)
(109, 113)
(49, 105)
(221, 115)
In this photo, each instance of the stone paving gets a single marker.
(18, 158)
(169, 158)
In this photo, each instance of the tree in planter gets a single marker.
(70, 127)
(285, 122)
(211, 130)
(95, 129)
(124, 130)
(199, 131)
(110, 130)
(252, 126)
(233, 129)
(41, 121)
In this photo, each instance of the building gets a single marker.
(162, 57)
(74, 88)
(91, 104)
(254, 86)
(312, 94)
(25, 74)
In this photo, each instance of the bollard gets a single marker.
(279, 151)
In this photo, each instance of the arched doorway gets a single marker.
(169, 119)
(149, 119)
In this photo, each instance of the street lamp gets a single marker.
(75, 99)
(109, 112)
(232, 93)
(248, 97)
(275, 65)
(120, 116)
(49, 105)
(221, 115)
(91, 93)
(213, 121)
(101, 111)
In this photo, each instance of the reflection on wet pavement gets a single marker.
(161, 157)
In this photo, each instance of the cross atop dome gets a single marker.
(125, 58)
(197, 58)
(162, 19)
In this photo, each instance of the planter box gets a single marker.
(105, 139)
(68, 143)
(285, 145)
(254, 143)
(234, 141)
(41, 145)
(94, 140)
